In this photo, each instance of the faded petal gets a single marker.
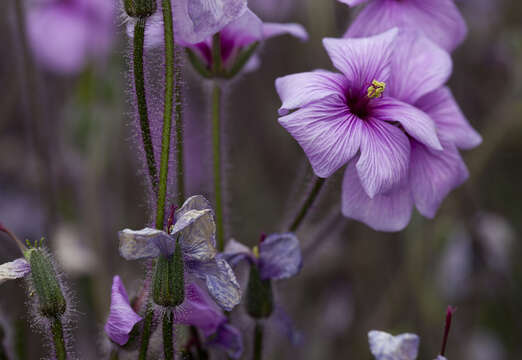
(419, 66)
(279, 256)
(199, 310)
(363, 60)
(384, 159)
(439, 20)
(301, 89)
(139, 244)
(221, 282)
(387, 347)
(451, 123)
(416, 122)
(433, 174)
(235, 252)
(276, 29)
(328, 133)
(385, 212)
(196, 202)
(122, 318)
(14, 270)
(197, 230)
(229, 338)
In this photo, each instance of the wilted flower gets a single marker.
(389, 118)
(194, 229)
(440, 20)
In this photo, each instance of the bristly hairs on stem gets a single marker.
(449, 315)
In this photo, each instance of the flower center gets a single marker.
(376, 89)
(358, 103)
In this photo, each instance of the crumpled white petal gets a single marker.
(14, 270)
(139, 244)
(387, 347)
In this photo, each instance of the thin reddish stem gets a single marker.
(449, 314)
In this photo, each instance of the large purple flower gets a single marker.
(66, 34)
(389, 118)
(440, 19)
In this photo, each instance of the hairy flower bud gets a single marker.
(168, 288)
(140, 8)
(260, 300)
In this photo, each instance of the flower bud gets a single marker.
(168, 288)
(51, 302)
(260, 299)
(140, 8)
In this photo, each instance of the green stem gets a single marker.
(202, 353)
(58, 340)
(307, 205)
(258, 341)
(115, 355)
(178, 92)
(168, 345)
(167, 111)
(146, 333)
(217, 62)
(216, 146)
(139, 86)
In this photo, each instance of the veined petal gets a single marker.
(451, 123)
(196, 202)
(229, 338)
(243, 31)
(197, 230)
(416, 122)
(387, 347)
(221, 282)
(384, 159)
(235, 252)
(419, 66)
(14, 270)
(276, 29)
(385, 212)
(328, 133)
(122, 318)
(433, 174)
(141, 243)
(301, 89)
(279, 256)
(363, 60)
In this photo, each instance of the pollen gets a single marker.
(255, 250)
(376, 89)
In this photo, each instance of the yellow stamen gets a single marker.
(376, 89)
(255, 250)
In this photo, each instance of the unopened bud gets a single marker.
(168, 288)
(260, 300)
(140, 8)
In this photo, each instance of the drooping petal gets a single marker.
(122, 318)
(279, 256)
(451, 123)
(221, 281)
(301, 89)
(139, 244)
(229, 338)
(363, 60)
(235, 252)
(199, 310)
(440, 20)
(14, 270)
(276, 29)
(196, 202)
(197, 231)
(416, 122)
(385, 212)
(387, 347)
(328, 133)
(384, 159)
(419, 66)
(433, 174)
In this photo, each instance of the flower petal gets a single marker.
(141, 243)
(387, 347)
(419, 66)
(230, 338)
(416, 122)
(363, 60)
(451, 123)
(433, 174)
(439, 20)
(199, 310)
(353, 2)
(244, 31)
(385, 212)
(327, 132)
(235, 252)
(385, 154)
(301, 89)
(196, 202)
(198, 231)
(279, 256)
(276, 29)
(14, 270)
(122, 318)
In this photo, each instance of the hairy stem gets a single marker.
(258, 341)
(216, 149)
(58, 339)
(139, 87)
(178, 93)
(168, 345)
(307, 205)
(146, 333)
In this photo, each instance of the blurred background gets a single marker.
(69, 173)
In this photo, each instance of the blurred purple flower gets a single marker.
(229, 338)
(272, 9)
(389, 118)
(440, 20)
(195, 229)
(66, 34)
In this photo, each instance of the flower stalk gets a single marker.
(307, 205)
(146, 333)
(178, 93)
(216, 149)
(258, 341)
(58, 339)
(168, 345)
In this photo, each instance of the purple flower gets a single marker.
(195, 229)
(440, 20)
(389, 117)
(14, 270)
(229, 338)
(66, 34)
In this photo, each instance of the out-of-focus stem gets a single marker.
(307, 205)
(115, 355)
(58, 339)
(146, 333)
(258, 341)
(216, 147)
(168, 345)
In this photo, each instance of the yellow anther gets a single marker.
(255, 250)
(376, 89)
